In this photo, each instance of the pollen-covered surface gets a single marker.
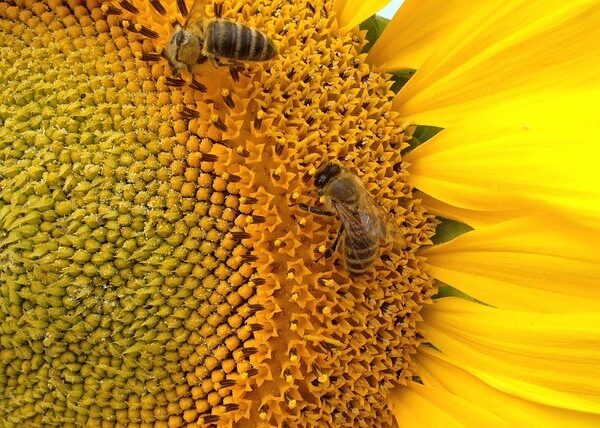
(123, 296)
(155, 268)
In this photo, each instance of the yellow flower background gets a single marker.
(155, 269)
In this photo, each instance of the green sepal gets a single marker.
(421, 134)
(445, 290)
(374, 26)
(448, 229)
(400, 77)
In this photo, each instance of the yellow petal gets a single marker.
(505, 49)
(475, 219)
(548, 358)
(536, 154)
(350, 13)
(534, 263)
(415, 30)
(429, 407)
(446, 384)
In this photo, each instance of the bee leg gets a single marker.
(235, 64)
(177, 73)
(234, 74)
(227, 62)
(336, 243)
(215, 61)
(172, 68)
(235, 68)
(232, 63)
(316, 210)
(201, 59)
(221, 62)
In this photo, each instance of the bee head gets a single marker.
(180, 37)
(183, 49)
(325, 173)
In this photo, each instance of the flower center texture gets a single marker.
(154, 266)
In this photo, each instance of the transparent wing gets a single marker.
(388, 229)
(195, 12)
(360, 225)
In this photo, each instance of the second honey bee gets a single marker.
(364, 224)
(222, 41)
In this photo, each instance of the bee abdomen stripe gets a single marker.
(244, 42)
(233, 39)
(265, 46)
(224, 37)
(357, 271)
(361, 253)
(360, 261)
(214, 36)
(253, 46)
(362, 244)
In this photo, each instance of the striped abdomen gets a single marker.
(360, 252)
(232, 40)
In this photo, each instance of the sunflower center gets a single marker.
(154, 266)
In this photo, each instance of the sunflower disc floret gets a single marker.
(154, 267)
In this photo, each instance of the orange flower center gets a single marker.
(154, 265)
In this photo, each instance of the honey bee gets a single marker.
(222, 41)
(364, 224)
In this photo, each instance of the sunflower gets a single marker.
(155, 267)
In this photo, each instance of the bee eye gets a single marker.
(326, 173)
(320, 180)
(179, 38)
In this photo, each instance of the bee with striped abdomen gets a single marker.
(222, 41)
(364, 224)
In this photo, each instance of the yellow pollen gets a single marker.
(155, 267)
(321, 377)
(263, 412)
(292, 403)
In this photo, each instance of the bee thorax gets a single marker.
(184, 49)
(343, 190)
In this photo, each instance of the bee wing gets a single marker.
(361, 224)
(393, 232)
(388, 228)
(195, 12)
